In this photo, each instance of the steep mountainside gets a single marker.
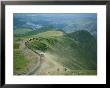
(76, 51)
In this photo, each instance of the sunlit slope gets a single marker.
(21, 31)
(76, 51)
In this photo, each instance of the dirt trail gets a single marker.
(41, 64)
(49, 66)
(32, 57)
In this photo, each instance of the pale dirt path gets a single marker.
(50, 67)
(41, 64)
(32, 57)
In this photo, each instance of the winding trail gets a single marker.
(33, 57)
(41, 64)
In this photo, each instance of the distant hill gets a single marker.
(28, 32)
(76, 51)
(67, 22)
(22, 31)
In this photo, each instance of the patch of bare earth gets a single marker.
(32, 57)
(50, 67)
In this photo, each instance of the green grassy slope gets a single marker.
(88, 43)
(27, 32)
(21, 31)
(19, 60)
(20, 63)
(76, 51)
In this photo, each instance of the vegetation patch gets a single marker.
(70, 50)
(20, 63)
(20, 31)
(16, 45)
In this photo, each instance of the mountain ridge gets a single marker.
(69, 50)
